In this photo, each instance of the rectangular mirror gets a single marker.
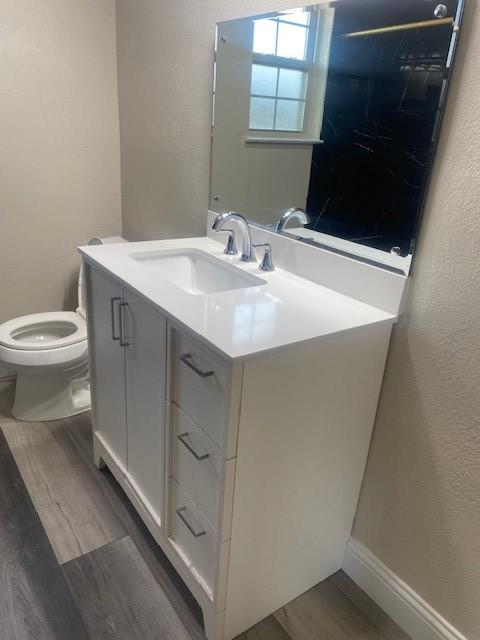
(335, 109)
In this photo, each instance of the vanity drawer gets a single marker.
(193, 537)
(201, 386)
(196, 464)
(200, 468)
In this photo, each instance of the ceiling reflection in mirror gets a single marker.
(333, 109)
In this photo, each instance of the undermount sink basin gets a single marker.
(196, 271)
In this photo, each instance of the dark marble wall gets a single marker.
(369, 178)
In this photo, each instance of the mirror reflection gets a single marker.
(326, 118)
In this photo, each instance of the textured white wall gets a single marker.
(420, 506)
(59, 146)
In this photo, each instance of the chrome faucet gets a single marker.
(248, 254)
(291, 214)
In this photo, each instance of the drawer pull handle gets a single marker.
(195, 534)
(112, 316)
(183, 439)
(123, 341)
(187, 359)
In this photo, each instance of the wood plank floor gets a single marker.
(75, 514)
(322, 612)
(35, 601)
(142, 610)
(76, 561)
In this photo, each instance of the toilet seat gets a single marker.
(62, 358)
(43, 331)
(48, 353)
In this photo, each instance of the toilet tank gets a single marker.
(81, 309)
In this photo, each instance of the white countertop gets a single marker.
(241, 323)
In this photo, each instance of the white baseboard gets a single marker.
(412, 614)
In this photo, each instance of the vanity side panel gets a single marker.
(306, 420)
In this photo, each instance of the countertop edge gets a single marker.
(231, 358)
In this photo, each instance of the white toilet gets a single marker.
(49, 353)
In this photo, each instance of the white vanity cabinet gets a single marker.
(127, 342)
(246, 470)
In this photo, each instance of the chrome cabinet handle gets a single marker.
(187, 359)
(123, 342)
(195, 534)
(183, 439)
(112, 316)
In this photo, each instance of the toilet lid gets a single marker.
(49, 330)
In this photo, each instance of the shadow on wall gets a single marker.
(420, 477)
(70, 298)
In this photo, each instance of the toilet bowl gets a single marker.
(49, 353)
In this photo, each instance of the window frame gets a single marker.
(281, 62)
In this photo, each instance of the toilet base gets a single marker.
(49, 397)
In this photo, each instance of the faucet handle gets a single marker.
(267, 260)
(231, 246)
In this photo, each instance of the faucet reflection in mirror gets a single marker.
(333, 107)
(294, 213)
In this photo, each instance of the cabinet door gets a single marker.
(107, 363)
(145, 357)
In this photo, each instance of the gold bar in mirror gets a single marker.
(424, 24)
